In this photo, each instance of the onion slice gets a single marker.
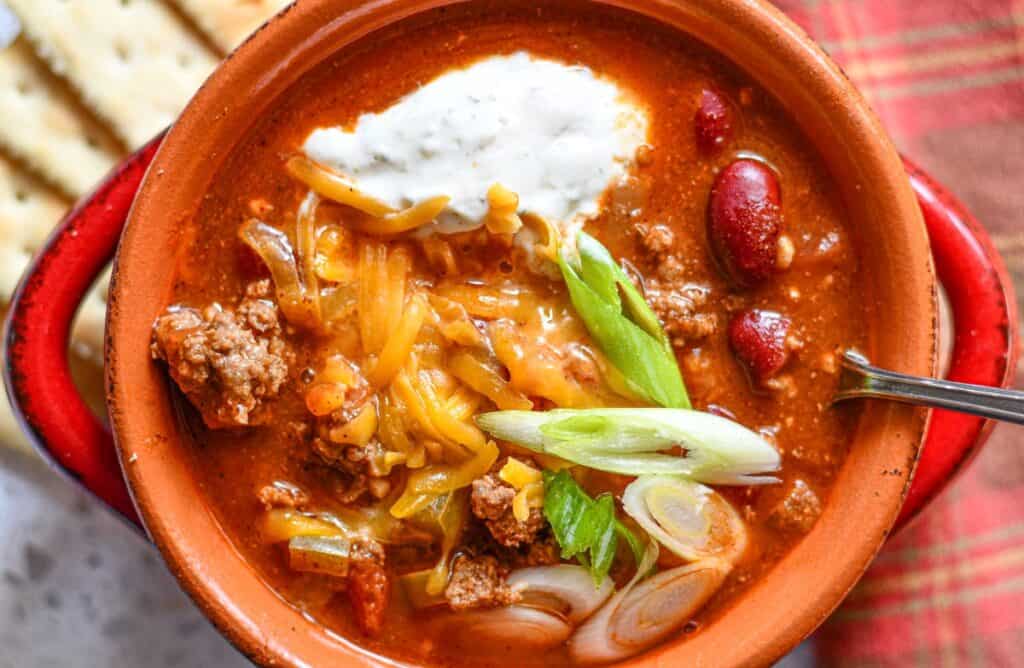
(642, 615)
(592, 641)
(273, 247)
(691, 520)
(664, 602)
(565, 589)
(512, 625)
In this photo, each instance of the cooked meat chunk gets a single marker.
(227, 362)
(369, 587)
(363, 464)
(282, 494)
(798, 511)
(345, 422)
(676, 302)
(678, 308)
(492, 502)
(478, 582)
(492, 497)
(656, 239)
(352, 459)
(542, 552)
(658, 243)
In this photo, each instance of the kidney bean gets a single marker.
(744, 221)
(713, 123)
(759, 340)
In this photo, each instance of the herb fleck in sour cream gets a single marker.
(555, 134)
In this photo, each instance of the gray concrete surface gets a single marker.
(79, 588)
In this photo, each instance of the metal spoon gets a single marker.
(860, 380)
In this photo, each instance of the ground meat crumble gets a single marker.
(491, 501)
(799, 509)
(678, 308)
(478, 582)
(369, 587)
(362, 464)
(228, 362)
(544, 551)
(657, 242)
(676, 302)
(280, 494)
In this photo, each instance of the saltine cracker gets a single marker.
(135, 63)
(229, 22)
(41, 125)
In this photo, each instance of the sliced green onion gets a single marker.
(691, 520)
(600, 271)
(632, 441)
(636, 464)
(635, 546)
(585, 528)
(326, 555)
(641, 614)
(622, 324)
(565, 590)
(594, 642)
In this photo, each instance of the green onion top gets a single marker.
(622, 324)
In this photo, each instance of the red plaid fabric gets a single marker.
(947, 79)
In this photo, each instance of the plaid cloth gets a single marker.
(947, 79)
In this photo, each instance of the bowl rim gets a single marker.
(199, 553)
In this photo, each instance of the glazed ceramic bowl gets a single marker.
(775, 614)
(780, 610)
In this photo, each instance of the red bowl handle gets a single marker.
(74, 441)
(985, 333)
(44, 398)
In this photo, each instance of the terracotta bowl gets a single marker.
(767, 621)
(773, 616)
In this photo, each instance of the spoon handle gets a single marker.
(859, 380)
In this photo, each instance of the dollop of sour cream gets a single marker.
(555, 134)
